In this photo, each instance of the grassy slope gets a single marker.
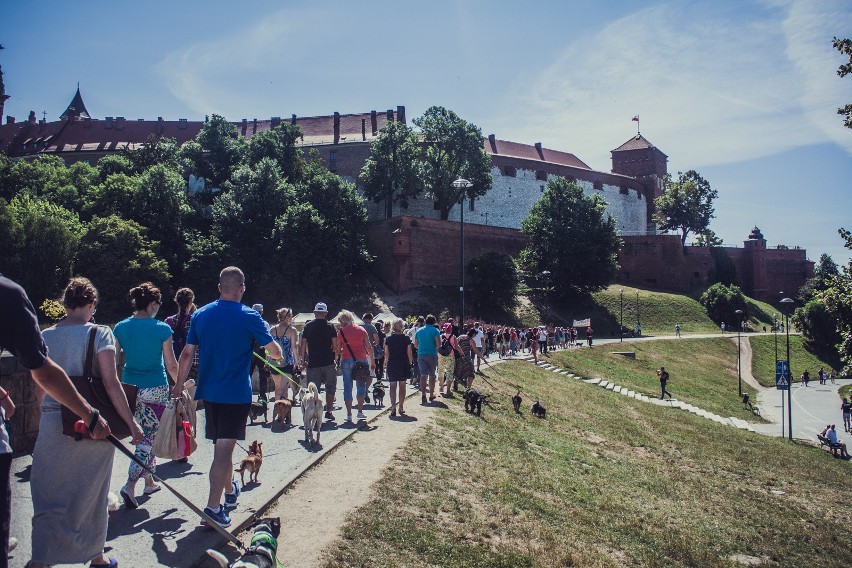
(703, 371)
(801, 357)
(603, 481)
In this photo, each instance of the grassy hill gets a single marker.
(602, 481)
(801, 357)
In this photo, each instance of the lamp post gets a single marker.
(621, 316)
(546, 274)
(461, 184)
(787, 302)
(775, 335)
(739, 357)
(638, 323)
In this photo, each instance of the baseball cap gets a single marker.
(321, 307)
(258, 308)
(448, 327)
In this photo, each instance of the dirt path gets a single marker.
(314, 510)
(745, 359)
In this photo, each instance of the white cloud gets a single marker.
(711, 85)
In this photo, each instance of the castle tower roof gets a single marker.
(76, 107)
(638, 142)
(755, 234)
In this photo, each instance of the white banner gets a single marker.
(583, 323)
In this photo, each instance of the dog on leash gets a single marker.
(312, 413)
(539, 410)
(262, 550)
(473, 400)
(251, 462)
(379, 394)
(258, 408)
(516, 402)
(282, 411)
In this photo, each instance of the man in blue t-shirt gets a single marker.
(225, 330)
(427, 340)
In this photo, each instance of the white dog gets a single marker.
(312, 413)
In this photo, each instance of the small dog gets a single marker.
(539, 410)
(262, 550)
(473, 401)
(251, 462)
(312, 413)
(258, 408)
(379, 393)
(282, 411)
(516, 402)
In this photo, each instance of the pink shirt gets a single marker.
(356, 336)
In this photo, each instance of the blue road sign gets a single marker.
(782, 375)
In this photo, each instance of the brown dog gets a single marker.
(281, 411)
(251, 462)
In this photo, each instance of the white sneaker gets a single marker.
(362, 416)
(348, 418)
(13, 542)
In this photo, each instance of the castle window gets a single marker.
(332, 161)
(509, 171)
(541, 188)
(598, 185)
(541, 175)
(472, 201)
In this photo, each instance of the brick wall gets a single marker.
(16, 379)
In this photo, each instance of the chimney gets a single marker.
(119, 123)
(244, 127)
(373, 122)
(32, 117)
(160, 125)
(182, 124)
(390, 115)
(293, 119)
(492, 141)
(276, 120)
(108, 124)
(364, 129)
(400, 114)
(10, 119)
(538, 149)
(254, 127)
(87, 122)
(336, 127)
(3, 99)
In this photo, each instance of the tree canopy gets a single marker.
(721, 303)
(570, 237)
(838, 298)
(844, 46)
(686, 204)
(394, 171)
(493, 282)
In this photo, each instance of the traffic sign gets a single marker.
(782, 368)
(782, 375)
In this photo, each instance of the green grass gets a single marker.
(801, 357)
(703, 371)
(603, 481)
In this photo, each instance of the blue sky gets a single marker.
(743, 92)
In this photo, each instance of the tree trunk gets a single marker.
(445, 213)
(388, 205)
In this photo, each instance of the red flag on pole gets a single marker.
(635, 118)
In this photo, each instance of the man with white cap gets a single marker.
(317, 348)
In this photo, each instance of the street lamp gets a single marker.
(775, 335)
(786, 302)
(638, 323)
(546, 274)
(739, 357)
(621, 316)
(461, 184)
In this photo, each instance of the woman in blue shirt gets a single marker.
(147, 345)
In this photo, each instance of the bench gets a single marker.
(826, 443)
(747, 403)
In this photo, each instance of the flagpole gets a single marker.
(636, 120)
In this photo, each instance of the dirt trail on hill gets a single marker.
(314, 510)
(745, 360)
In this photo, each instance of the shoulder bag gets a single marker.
(361, 372)
(92, 389)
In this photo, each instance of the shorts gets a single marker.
(323, 376)
(346, 368)
(427, 364)
(225, 421)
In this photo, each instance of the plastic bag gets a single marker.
(166, 442)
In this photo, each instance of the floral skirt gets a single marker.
(150, 405)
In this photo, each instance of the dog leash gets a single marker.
(277, 370)
(80, 428)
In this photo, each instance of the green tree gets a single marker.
(493, 281)
(394, 172)
(453, 149)
(721, 302)
(215, 153)
(116, 195)
(161, 207)
(818, 323)
(154, 150)
(824, 271)
(685, 205)
(40, 244)
(278, 144)
(114, 164)
(207, 255)
(45, 177)
(571, 237)
(838, 298)
(116, 255)
(844, 46)
(707, 239)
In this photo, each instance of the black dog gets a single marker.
(539, 410)
(379, 393)
(516, 402)
(473, 401)
(258, 408)
(262, 550)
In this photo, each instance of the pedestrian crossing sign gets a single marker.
(782, 374)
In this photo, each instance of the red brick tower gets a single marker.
(640, 159)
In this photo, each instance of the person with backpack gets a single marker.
(446, 358)
(664, 378)
(179, 322)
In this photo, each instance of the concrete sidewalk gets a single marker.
(163, 531)
(814, 407)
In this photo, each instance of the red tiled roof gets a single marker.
(638, 142)
(536, 152)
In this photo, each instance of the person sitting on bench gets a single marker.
(831, 435)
